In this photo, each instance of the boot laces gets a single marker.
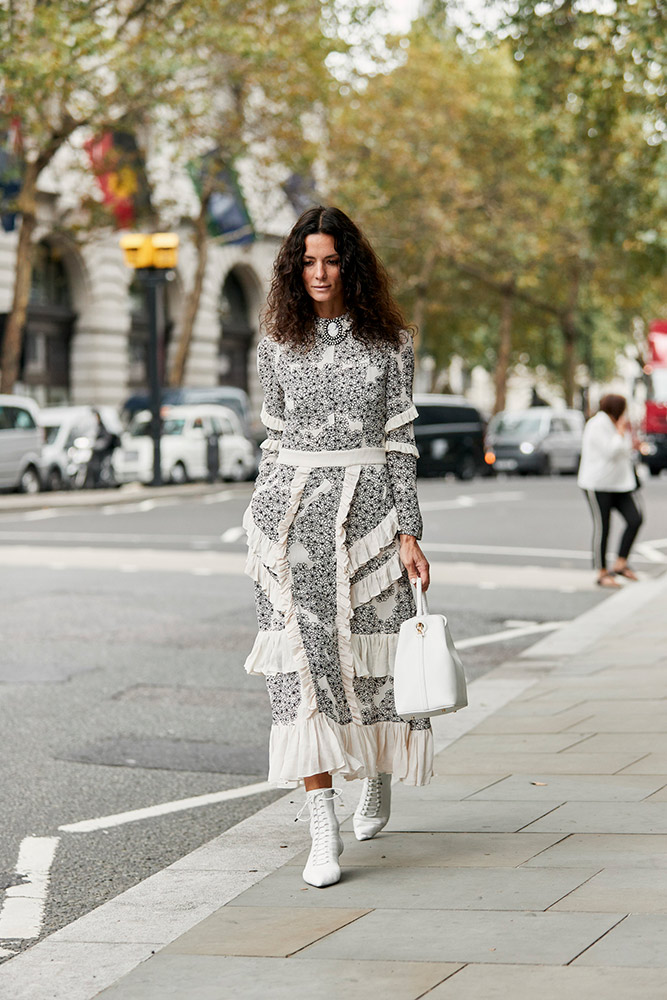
(372, 794)
(324, 833)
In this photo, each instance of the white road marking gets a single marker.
(465, 500)
(510, 633)
(38, 515)
(119, 819)
(102, 537)
(23, 908)
(505, 550)
(232, 534)
(221, 497)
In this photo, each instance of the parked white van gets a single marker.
(184, 443)
(21, 440)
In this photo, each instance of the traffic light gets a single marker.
(157, 250)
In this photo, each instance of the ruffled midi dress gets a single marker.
(336, 486)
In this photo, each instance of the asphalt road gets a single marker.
(124, 623)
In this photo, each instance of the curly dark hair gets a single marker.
(289, 317)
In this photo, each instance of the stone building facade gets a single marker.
(87, 327)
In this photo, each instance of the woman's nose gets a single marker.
(320, 270)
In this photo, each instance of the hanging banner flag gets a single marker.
(228, 218)
(121, 174)
(11, 174)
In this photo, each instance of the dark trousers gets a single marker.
(602, 504)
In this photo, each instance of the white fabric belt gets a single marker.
(325, 459)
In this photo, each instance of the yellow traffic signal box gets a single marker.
(159, 250)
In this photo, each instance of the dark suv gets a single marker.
(450, 436)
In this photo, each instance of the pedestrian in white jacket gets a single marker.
(608, 478)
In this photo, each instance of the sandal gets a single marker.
(628, 573)
(607, 580)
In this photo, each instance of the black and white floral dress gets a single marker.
(336, 485)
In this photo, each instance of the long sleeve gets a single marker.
(274, 401)
(400, 445)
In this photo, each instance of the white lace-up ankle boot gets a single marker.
(374, 807)
(322, 867)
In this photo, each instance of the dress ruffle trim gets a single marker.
(319, 744)
(406, 417)
(370, 586)
(372, 655)
(258, 542)
(344, 596)
(273, 423)
(270, 444)
(402, 446)
(366, 548)
(257, 571)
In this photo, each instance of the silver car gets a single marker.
(21, 440)
(539, 440)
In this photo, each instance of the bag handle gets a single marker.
(420, 598)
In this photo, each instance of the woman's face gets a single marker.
(321, 274)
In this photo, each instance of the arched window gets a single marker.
(235, 333)
(45, 368)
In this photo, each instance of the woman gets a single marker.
(608, 477)
(332, 529)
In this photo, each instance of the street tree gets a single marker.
(71, 65)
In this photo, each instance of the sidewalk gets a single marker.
(535, 864)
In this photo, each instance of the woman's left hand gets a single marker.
(414, 560)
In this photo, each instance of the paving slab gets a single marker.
(651, 763)
(606, 850)
(501, 744)
(638, 720)
(213, 977)
(551, 982)
(638, 741)
(604, 817)
(570, 762)
(423, 888)
(615, 890)
(575, 787)
(447, 850)
(454, 787)
(639, 941)
(273, 931)
(410, 814)
(660, 795)
(472, 936)
(511, 723)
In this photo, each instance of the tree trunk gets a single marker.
(568, 325)
(504, 347)
(569, 331)
(14, 329)
(177, 369)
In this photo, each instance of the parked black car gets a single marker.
(449, 432)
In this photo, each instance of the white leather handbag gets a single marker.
(428, 673)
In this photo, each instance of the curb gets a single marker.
(585, 631)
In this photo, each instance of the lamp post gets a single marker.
(152, 255)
